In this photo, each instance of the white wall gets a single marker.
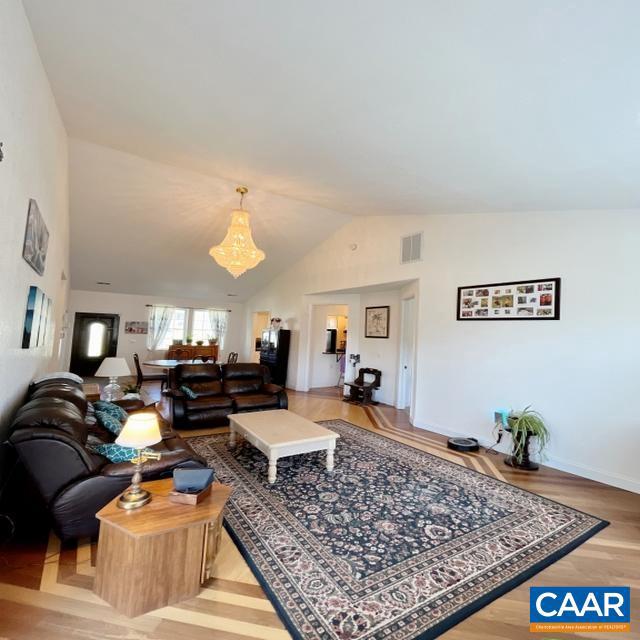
(132, 307)
(35, 166)
(580, 371)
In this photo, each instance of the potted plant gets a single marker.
(213, 341)
(189, 340)
(199, 342)
(524, 425)
(177, 342)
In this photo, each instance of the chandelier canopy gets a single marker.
(238, 252)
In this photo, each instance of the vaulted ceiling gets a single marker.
(362, 107)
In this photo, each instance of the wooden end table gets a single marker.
(92, 391)
(159, 554)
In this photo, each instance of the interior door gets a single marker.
(95, 336)
(407, 349)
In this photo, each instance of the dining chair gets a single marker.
(148, 377)
(233, 357)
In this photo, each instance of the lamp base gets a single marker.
(112, 391)
(134, 499)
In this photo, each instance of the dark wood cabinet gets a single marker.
(274, 353)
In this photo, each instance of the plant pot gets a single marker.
(527, 464)
(213, 343)
(177, 342)
(199, 343)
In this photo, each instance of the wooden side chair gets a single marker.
(361, 389)
(148, 377)
(233, 358)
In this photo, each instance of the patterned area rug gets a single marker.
(395, 543)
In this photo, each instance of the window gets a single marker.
(201, 327)
(177, 330)
(95, 347)
(199, 324)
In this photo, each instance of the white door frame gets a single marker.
(401, 402)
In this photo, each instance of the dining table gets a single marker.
(166, 364)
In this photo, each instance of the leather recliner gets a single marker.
(51, 436)
(221, 391)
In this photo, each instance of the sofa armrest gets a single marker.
(272, 388)
(279, 392)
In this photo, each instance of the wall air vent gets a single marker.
(412, 248)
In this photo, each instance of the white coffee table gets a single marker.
(281, 433)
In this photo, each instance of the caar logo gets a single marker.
(569, 609)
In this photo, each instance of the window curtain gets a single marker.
(218, 323)
(160, 319)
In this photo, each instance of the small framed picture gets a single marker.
(36, 239)
(376, 322)
(136, 326)
(519, 300)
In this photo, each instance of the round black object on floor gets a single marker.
(463, 444)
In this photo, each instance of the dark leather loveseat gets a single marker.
(221, 390)
(50, 434)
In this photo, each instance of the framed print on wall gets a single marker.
(376, 322)
(36, 239)
(519, 300)
(136, 326)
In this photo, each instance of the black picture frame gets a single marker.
(382, 331)
(531, 308)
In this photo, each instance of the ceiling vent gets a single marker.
(412, 248)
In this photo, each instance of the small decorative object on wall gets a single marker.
(519, 300)
(136, 326)
(376, 322)
(37, 318)
(36, 239)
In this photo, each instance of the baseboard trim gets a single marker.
(613, 479)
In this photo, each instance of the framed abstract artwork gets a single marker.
(519, 300)
(376, 322)
(36, 239)
(37, 320)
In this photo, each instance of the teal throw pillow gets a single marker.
(112, 409)
(110, 423)
(188, 392)
(115, 452)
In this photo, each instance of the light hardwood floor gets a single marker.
(45, 590)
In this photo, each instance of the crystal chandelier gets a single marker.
(238, 252)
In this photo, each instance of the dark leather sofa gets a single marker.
(221, 390)
(50, 434)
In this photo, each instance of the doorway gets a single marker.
(407, 354)
(261, 321)
(95, 337)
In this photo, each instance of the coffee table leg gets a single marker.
(232, 435)
(330, 449)
(273, 469)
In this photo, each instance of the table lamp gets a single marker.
(140, 430)
(112, 368)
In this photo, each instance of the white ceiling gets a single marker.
(147, 227)
(364, 106)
